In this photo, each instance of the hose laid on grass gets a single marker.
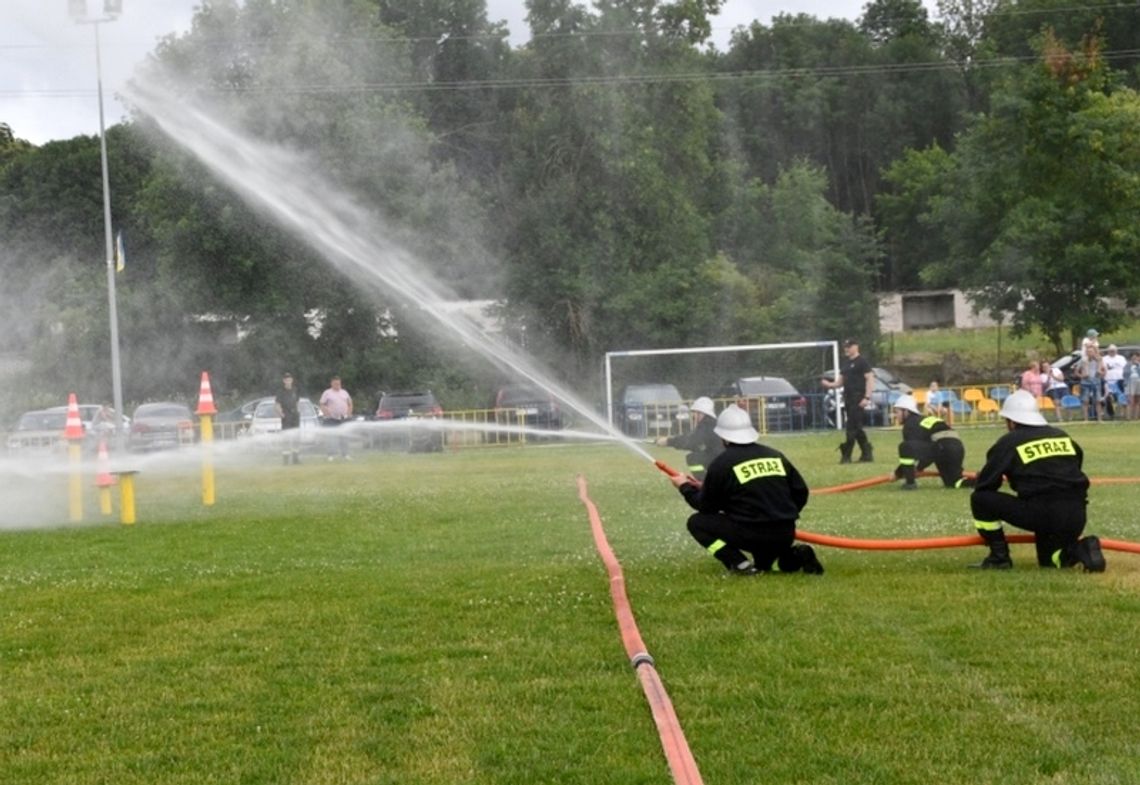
(673, 743)
(925, 542)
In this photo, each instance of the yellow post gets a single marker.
(127, 497)
(75, 485)
(207, 422)
(105, 501)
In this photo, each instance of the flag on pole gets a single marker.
(120, 252)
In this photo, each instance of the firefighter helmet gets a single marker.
(907, 402)
(704, 405)
(1021, 407)
(735, 426)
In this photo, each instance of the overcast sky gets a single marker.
(47, 62)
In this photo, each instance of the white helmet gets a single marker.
(704, 405)
(735, 426)
(1021, 407)
(907, 402)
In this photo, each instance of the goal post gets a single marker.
(830, 349)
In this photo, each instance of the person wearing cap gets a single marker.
(857, 380)
(927, 439)
(286, 402)
(1091, 340)
(748, 502)
(1090, 370)
(701, 440)
(1043, 466)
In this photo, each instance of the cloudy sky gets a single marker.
(48, 78)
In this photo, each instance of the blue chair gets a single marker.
(999, 394)
(961, 407)
(1070, 403)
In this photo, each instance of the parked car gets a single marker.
(526, 404)
(39, 430)
(887, 388)
(412, 405)
(1068, 363)
(155, 426)
(265, 419)
(773, 402)
(645, 410)
(236, 421)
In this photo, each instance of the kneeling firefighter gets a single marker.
(701, 441)
(926, 440)
(749, 501)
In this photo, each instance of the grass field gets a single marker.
(446, 619)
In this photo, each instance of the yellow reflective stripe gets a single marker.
(757, 468)
(695, 469)
(907, 461)
(1061, 446)
(716, 546)
(1056, 558)
(959, 483)
(987, 526)
(929, 422)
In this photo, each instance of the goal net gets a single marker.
(779, 384)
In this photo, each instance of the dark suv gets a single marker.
(525, 404)
(651, 410)
(409, 406)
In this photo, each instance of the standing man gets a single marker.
(1043, 465)
(701, 441)
(287, 403)
(926, 440)
(336, 409)
(749, 501)
(857, 380)
(1114, 365)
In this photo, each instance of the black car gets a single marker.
(773, 403)
(527, 405)
(156, 426)
(412, 405)
(651, 410)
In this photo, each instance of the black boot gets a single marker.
(867, 455)
(845, 452)
(999, 554)
(1090, 555)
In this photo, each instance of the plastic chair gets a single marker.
(1045, 403)
(988, 407)
(999, 394)
(1070, 403)
(919, 396)
(961, 408)
(973, 395)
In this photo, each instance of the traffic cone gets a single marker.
(205, 397)
(73, 431)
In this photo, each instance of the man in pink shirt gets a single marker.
(336, 409)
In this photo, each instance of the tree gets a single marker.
(1040, 204)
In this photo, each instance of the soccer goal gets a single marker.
(725, 373)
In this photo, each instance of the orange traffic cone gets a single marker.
(73, 430)
(205, 397)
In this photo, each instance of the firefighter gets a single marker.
(1043, 465)
(701, 441)
(927, 439)
(749, 501)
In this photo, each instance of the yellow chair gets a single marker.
(972, 395)
(919, 396)
(1045, 404)
(989, 407)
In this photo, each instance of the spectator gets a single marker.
(286, 402)
(1031, 379)
(1053, 384)
(937, 403)
(1114, 365)
(1090, 341)
(1090, 370)
(1133, 387)
(336, 409)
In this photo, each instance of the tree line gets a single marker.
(615, 182)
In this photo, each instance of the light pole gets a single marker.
(111, 11)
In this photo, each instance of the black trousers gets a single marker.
(1058, 521)
(947, 456)
(726, 539)
(854, 430)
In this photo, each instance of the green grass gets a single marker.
(446, 619)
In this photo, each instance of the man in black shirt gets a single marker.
(1043, 466)
(288, 410)
(749, 501)
(857, 380)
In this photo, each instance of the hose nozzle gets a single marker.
(666, 468)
